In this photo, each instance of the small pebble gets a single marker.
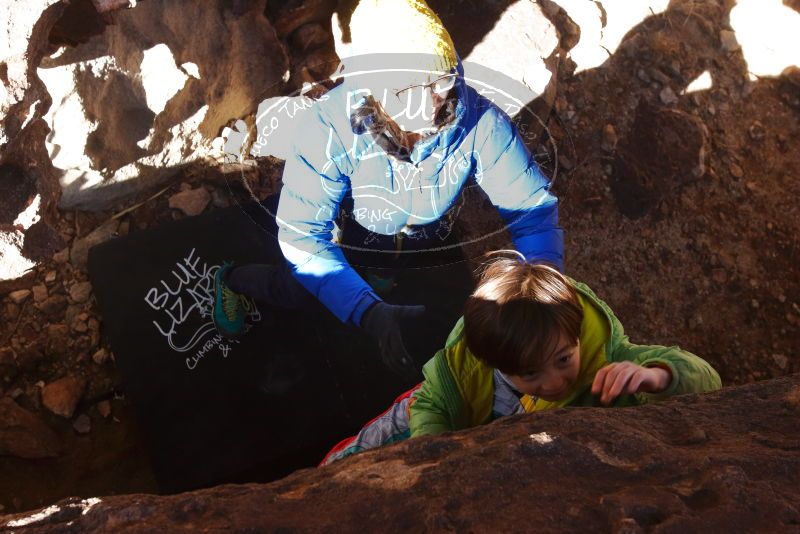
(104, 408)
(39, 293)
(659, 76)
(100, 357)
(18, 297)
(668, 96)
(80, 292)
(124, 228)
(62, 256)
(82, 424)
(780, 360)
(757, 131)
(609, 139)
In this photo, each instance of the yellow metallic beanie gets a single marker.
(402, 26)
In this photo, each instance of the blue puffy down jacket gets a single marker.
(329, 161)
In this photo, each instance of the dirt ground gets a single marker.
(682, 215)
(710, 265)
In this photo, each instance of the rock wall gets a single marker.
(27, 178)
(152, 92)
(724, 462)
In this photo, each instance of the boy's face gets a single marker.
(556, 377)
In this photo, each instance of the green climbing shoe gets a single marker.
(228, 312)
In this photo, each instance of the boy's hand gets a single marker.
(627, 378)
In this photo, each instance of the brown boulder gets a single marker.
(62, 396)
(80, 292)
(191, 202)
(24, 435)
(722, 462)
(53, 305)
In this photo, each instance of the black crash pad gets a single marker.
(215, 411)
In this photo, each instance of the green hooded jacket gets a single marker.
(458, 390)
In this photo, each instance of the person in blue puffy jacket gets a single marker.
(377, 165)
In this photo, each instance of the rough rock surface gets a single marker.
(527, 56)
(696, 463)
(27, 178)
(152, 92)
(79, 253)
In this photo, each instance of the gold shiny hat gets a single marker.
(402, 26)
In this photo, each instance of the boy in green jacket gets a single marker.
(531, 339)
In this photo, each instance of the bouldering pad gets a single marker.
(256, 409)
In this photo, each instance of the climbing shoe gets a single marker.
(228, 312)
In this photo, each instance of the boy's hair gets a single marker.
(515, 318)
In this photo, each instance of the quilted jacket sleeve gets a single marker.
(506, 170)
(313, 188)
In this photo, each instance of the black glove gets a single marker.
(382, 322)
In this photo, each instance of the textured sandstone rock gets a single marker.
(18, 297)
(696, 463)
(152, 92)
(21, 46)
